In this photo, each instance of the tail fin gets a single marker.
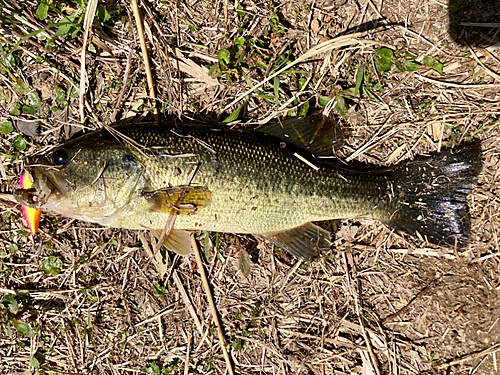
(433, 194)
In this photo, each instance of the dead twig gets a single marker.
(403, 310)
(470, 86)
(187, 302)
(354, 290)
(87, 26)
(211, 302)
(124, 86)
(145, 57)
(491, 350)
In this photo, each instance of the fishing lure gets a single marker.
(31, 215)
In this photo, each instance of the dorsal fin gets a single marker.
(317, 134)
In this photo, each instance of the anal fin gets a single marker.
(306, 241)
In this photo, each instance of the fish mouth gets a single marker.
(46, 184)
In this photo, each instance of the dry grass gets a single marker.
(376, 304)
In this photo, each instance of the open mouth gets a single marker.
(45, 184)
(47, 179)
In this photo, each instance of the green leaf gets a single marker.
(13, 248)
(438, 68)
(63, 30)
(240, 8)
(302, 81)
(155, 369)
(19, 142)
(73, 94)
(89, 321)
(249, 83)
(276, 87)
(23, 328)
(42, 11)
(341, 107)
(239, 41)
(159, 290)
(8, 156)
(410, 56)
(20, 88)
(217, 242)
(52, 265)
(429, 61)
(407, 65)
(6, 127)
(75, 32)
(435, 64)
(4, 97)
(23, 233)
(34, 101)
(324, 100)
(304, 108)
(9, 60)
(9, 302)
(34, 362)
(233, 116)
(359, 78)
(61, 96)
(51, 45)
(370, 95)
(29, 110)
(411, 66)
(102, 13)
(17, 109)
(224, 56)
(383, 60)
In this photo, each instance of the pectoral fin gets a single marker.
(181, 200)
(178, 241)
(307, 241)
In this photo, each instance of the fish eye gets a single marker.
(60, 157)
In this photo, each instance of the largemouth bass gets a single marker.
(270, 183)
